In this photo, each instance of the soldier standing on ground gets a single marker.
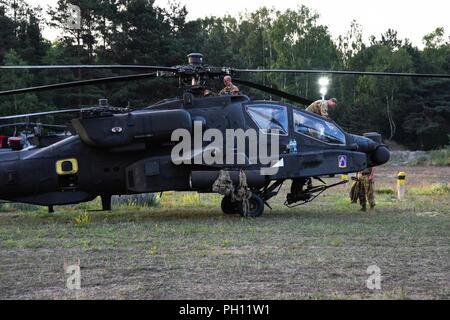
(364, 189)
(230, 88)
(321, 107)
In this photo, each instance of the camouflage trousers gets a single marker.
(366, 191)
(363, 190)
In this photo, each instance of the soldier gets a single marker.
(354, 190)
(320, 107)
(230, 88)
(365, 188)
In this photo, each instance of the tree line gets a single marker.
(413, 112)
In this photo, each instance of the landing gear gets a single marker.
(240, 199)
(254, 207)
(228, 206)
(106, 202)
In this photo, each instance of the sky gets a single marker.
(412, 19)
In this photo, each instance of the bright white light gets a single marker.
(324, 81)
(323, 91)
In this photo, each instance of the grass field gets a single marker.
(186, 248)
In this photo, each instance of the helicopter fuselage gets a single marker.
(128, 153)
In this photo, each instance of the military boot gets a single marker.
(363, 207)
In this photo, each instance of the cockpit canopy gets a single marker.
(317, 128)
(270, 117)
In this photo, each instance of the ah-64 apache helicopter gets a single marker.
(118, 151)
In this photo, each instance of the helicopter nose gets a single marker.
(371, 144)
(381, 155)
(379, 152)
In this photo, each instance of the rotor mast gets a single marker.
(195, 60)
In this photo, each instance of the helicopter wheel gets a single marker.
(255, 207)
(228, 206)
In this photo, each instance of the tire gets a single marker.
(256, 207)
(228, 206)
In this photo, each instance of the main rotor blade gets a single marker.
(275, 92)
(36, 114)
(79, 83)
(340, 72)
(93, 66)
(26, 124)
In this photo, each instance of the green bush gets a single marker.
(441, 157)
(12, 206)
(384, 191)
(434, 189)
(136, 200)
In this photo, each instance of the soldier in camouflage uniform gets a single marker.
(230, 88)
(366, 188)
(320, 107)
